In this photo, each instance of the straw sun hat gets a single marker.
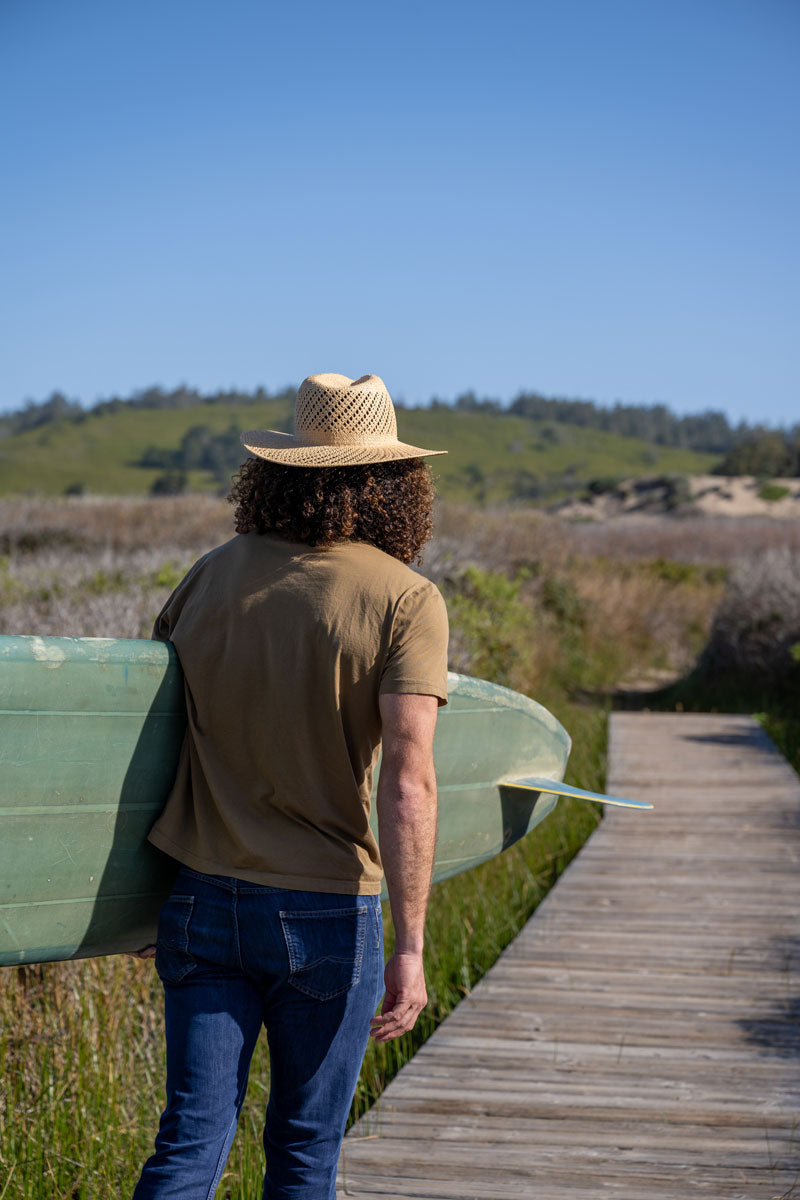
(338, 422)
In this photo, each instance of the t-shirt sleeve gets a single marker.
(417, 659)
(165, 621)
(161, 627)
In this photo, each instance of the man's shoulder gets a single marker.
(352, 565)
(245, 547)
(223, 551)
(379, 568)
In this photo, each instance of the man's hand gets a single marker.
(405, 997)
(145, 952)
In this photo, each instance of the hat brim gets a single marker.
(285, 448)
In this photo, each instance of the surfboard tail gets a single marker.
(531, 783)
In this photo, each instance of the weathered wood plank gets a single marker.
(640, 1039)
(551, 1134)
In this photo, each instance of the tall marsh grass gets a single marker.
(558, 611)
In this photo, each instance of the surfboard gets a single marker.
(90, 731)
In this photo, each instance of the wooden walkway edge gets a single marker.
(640, 1038)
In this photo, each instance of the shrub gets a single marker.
(602, 485)
(758, 622)
(685, 572)
(773, 491)
(168, 575)
(171, 483)
(491, 625)
(475, 479)
(560, 598)
(678, 493)
(157, 456)
(669, 492)
(761, 452)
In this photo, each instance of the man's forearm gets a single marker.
(407, 823)
(407, 829)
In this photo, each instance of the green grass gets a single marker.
(490, 458)
(785, 733)
(101, 452)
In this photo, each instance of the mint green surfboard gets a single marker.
(90, 730)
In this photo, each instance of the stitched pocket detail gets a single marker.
(173, 960)
(325, 948)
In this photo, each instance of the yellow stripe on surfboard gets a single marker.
(533, 784)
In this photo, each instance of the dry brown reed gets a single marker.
(659, 624)
(503, 538)
(117, 523)
(507, 538)
(103, 568)
(99, 568)
(638, 615)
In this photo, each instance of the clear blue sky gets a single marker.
(592, 198)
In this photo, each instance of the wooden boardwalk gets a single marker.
(640, 1038)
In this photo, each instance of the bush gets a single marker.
(491, 625)
(685, 572)
(773, 491)
(758, 622)
(171, 483)
(762, 452)
(157, 456)
(669, 492)
(678, 493)
(602, 485)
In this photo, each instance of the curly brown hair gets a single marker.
(386, 504)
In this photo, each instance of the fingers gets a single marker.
(405, 997)
(393, 1024)
(398, 1015)
(145, 952)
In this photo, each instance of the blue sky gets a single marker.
(591, 198)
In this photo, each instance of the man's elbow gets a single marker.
(407, 793)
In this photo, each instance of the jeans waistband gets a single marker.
(235, 885)
(230, 883)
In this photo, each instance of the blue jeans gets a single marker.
(232, 956)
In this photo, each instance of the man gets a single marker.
(306, 641)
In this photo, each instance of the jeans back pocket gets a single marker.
(326, 949)
(173, 960)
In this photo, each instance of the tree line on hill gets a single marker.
(746, 449)
(708, 431)
(764, 453)
(200, 449)
(57, 407)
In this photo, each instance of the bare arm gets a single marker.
(407, 825)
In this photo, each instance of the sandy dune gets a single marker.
(707, 495)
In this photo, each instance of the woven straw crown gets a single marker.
(338, 422)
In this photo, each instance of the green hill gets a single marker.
(492, 456)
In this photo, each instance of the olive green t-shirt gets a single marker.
(285, 650)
